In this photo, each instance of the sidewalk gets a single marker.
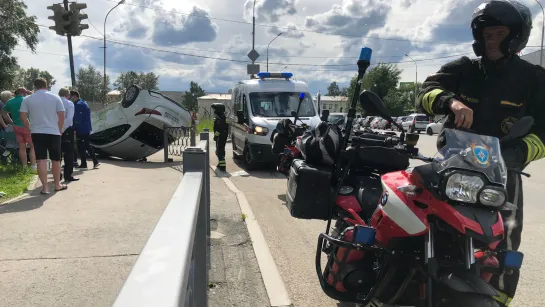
(76, 247)
(234, 276)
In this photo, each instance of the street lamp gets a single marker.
(542, 33)
(105, 18)
(268, 49)
(416, 77)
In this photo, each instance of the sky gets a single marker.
(207, 41)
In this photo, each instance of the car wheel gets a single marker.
(249, 160)
(429, 131)
(130, 95)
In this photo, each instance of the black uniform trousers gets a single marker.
(512, 221)
(220, 150)
(85, 146)
(67, 148)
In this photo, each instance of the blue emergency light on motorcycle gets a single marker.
(365, 54)
(286, 75)
(364, 235)
(513, 260)
(302, 96)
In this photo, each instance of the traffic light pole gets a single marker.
(70, 54)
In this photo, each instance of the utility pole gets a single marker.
(104, 68)
(542, 34)
(415, 79)
(253, 69)
(70, 53)
(253, 34)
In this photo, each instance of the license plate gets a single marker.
(172, 118)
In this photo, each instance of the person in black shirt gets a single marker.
(221, 129)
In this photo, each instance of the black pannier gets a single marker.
(310, 192)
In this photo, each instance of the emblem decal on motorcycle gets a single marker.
(384, 198)
(481, 156)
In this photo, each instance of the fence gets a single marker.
(177, 139)
(171, 269)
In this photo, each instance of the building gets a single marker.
(335, 104)
(205, 104)
(533, 57)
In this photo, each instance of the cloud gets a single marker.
(290, 30)
(175, 29)
(134, 28)
(351, 18)
(269, 10)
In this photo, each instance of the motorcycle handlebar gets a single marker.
(375, 140)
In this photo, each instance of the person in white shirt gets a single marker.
(46, 113)
(67, 139)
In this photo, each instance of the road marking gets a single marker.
(276, 290)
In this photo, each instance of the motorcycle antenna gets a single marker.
(363, 63)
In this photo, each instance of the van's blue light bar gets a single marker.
(286, 75)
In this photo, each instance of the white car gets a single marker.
(133, 128)
(436, 126)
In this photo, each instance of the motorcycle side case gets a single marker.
(309, 193)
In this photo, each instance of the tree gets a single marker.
(90, 84)
(190, 99)
(15, 26)
(148, 81)
(381, 79)
(333, 89)
(26, 77)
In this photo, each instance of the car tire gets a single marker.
(130, 95)
(429, 131)
(248, 159)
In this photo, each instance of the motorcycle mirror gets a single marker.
(325, 115)
(373, 105)
(520, 128)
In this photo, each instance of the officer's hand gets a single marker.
(464, 115)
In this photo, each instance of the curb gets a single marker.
(31, 185)
(276, 290)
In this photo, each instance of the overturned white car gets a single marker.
(133, 128)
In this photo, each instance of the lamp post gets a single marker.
(416, 77)
(542, 34)
(268, 49)
(105, 18)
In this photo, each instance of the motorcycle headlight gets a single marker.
(463, 188)
(492, 197)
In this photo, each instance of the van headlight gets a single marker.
(258, 130)
(463, 188)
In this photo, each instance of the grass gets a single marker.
(14, 181)
(205, 123)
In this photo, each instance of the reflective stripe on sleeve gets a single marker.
(429, 98)
(536, 149)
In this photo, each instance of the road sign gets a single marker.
(253, 55)
(252, 69)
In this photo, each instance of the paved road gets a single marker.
(293, 242)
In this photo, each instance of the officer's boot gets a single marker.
(222, 165)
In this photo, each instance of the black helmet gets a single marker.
(509, 13)
(218, 108)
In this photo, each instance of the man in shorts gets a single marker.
(46, 113)
(10, 112)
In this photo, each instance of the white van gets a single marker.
(257, 105)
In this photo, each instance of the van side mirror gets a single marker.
(240, 117)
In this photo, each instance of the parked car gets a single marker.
(338, 118)
(367, 121)
(132, 129)
(436, 126)
(416, 123)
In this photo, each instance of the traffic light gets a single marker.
(61, 18)
(76, 17)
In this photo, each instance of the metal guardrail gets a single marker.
(172, 270)
(177, 139)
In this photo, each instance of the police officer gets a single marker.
(221, 129)
(489, 94)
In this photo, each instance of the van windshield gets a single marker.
(280, 104)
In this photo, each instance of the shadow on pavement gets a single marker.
(265, 171)
(34, 201)
(142, 165)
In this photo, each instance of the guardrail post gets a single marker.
(205, 136)
(165, 142)
(193, 133)
(195, 160)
